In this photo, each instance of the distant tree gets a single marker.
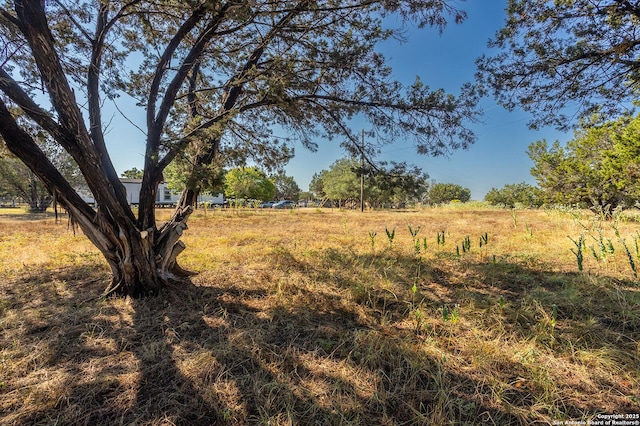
(133, 173)
(599, 167)
(397, 184)
(248, 183)
(316, 186)
(511, 195)
(557, 55)
(18, 181)
(209, 179)
(286, 187)
(340, 183)
(441, 193)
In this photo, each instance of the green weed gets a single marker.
(630, 258)
(390, 236)
(578, 251)
(372, 241)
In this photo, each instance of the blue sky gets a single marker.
(442, 61)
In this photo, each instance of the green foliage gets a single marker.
(286, 187)
(630, 258)
(248, 183)
(580, 244)
(316, 186)
(372, 240)
(18, 181)
(133, 173)
(413, 231)
(449, 314)
(340, 183)
(441, 193)
(466, 244)
(204, 179)
(484, 239)
(521, 194)
(390, 235)
(395, 185)
(598, 168)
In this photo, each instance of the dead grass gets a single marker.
(297, 318)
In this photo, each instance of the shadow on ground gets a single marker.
(331, 350)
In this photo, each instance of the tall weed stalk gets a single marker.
(630, 258)
(390, 236)
(578, 251)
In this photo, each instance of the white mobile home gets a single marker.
(164, 196)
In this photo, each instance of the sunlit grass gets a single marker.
(297, 318)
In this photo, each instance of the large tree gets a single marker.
(214, 77)
(512, 194)
(565, 59)
(286, 186)
(248, 183)
(440, 193)
(598, 168)
(340, 183)
(384, 184)
(396, 184)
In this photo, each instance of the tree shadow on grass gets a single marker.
(332, 349)
(21, 214)
(574, 316)
(78, 360)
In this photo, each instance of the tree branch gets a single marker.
(33, 24)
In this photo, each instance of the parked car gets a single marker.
(284, 204)
(266, 205)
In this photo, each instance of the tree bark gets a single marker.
(142, 261)
(139, 267)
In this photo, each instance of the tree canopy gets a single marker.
(214, 78)
(394, 184)
(512, 195)
(565, 58)
(440, 193)
(286, 187)
(133, 173)
(340, 183)
(599, 167)
(248, 183)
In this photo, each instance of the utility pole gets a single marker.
(362, 174)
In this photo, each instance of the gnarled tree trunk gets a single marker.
(143, 261)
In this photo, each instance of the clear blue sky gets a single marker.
(442, 61)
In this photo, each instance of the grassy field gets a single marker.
(440, 316)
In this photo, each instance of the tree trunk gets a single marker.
(142, 262)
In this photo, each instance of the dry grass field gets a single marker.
(443, 316)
